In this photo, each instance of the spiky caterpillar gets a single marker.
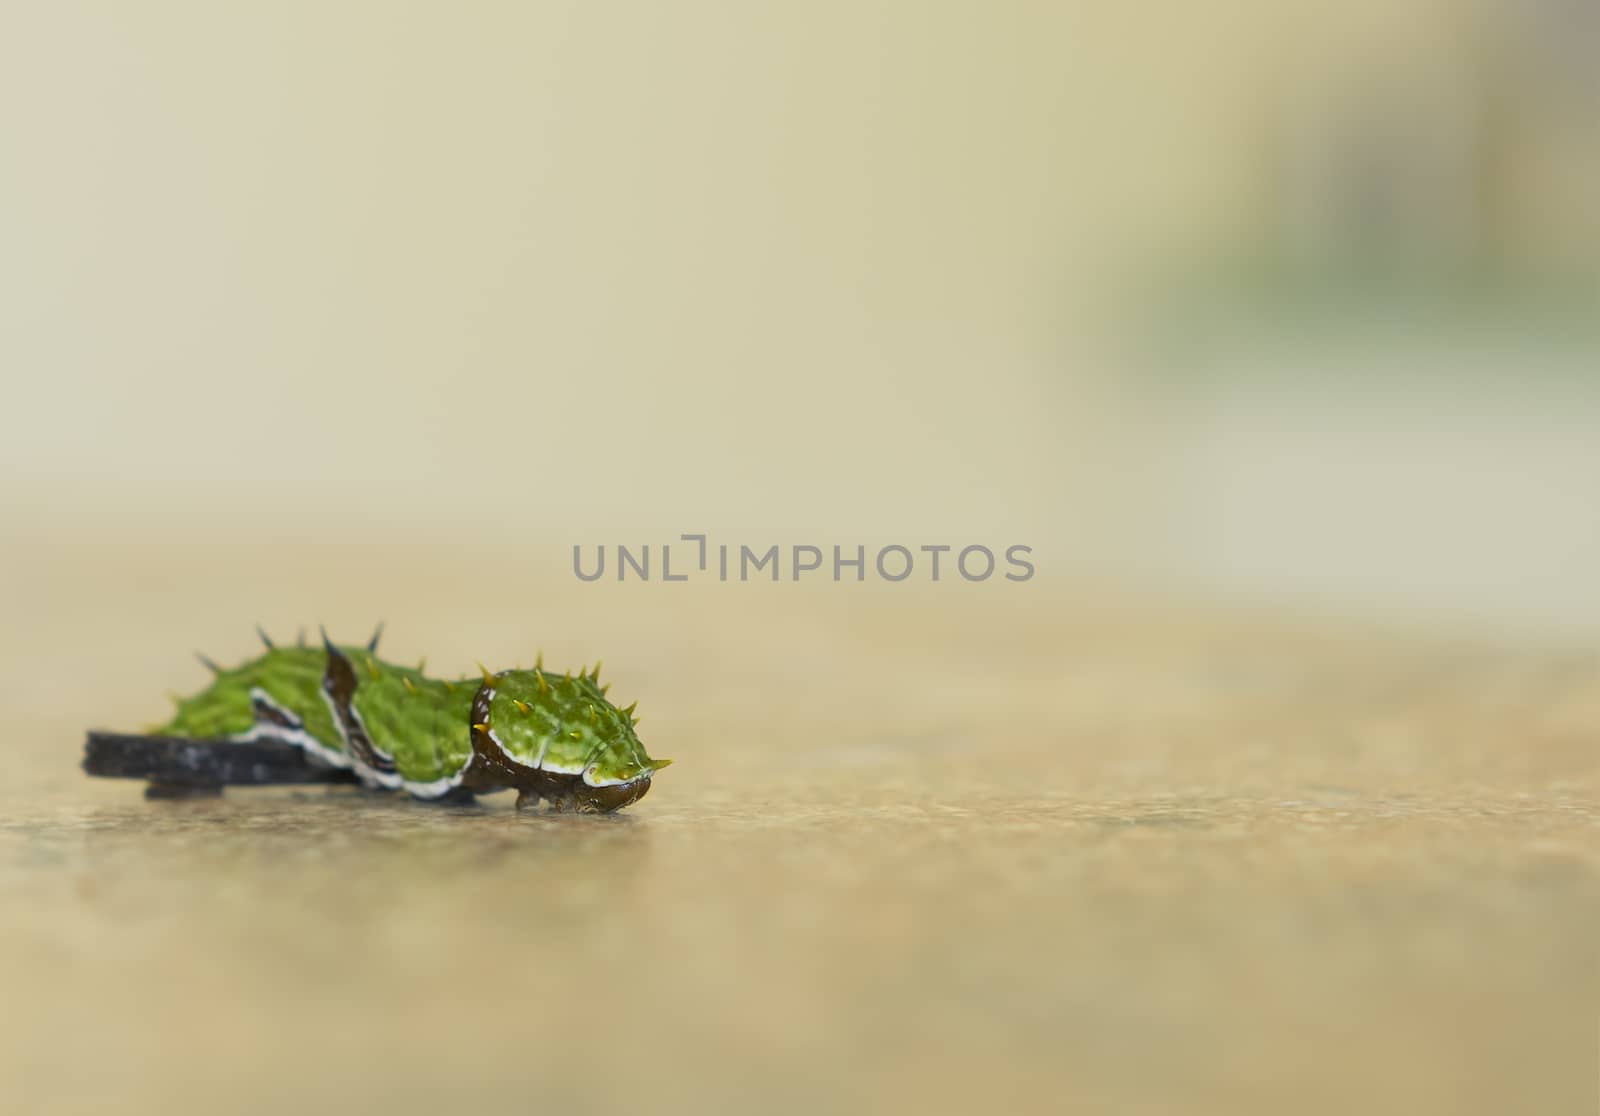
(549, 736)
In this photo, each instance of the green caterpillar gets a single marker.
(549, 736)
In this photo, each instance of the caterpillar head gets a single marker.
(562, 725)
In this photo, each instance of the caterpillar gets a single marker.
(339, 713)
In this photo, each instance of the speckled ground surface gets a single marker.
(942, 854)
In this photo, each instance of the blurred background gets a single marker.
(1273, 328)
(1267, 298)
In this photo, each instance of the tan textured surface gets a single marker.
(953, 851)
